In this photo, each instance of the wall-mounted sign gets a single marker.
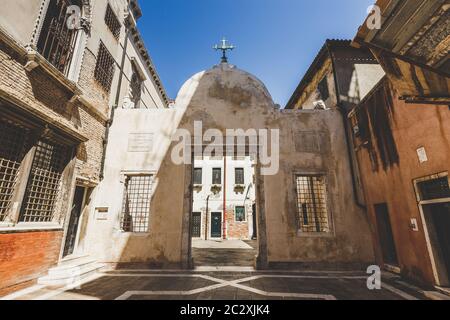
(101, 213)
(422, 154)
(140, 142)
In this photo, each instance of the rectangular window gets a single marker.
(198, 173)
(112, 22)
(323, 89)
(136, 203)
(104, 69)
(57, 42)
(44, 182)
(12, 149)
(239, 213)
(239, 176)
(434, 188)
(217, 176)
(312, 203)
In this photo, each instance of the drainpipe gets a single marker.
(115, 105)
(206, 218)
(346, 129)
(225, 196)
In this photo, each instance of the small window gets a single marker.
(104, 69)
(112, 22)
(323, 89)
(312, 203)
(198, 172)
(434, 189)
(136, 203)
(239, 213)
(239, 176)
(217, 176)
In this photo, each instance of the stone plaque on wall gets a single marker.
(140, 142)
(308, 141)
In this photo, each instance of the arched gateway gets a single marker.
(304, 202)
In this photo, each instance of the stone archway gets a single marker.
(186, 250)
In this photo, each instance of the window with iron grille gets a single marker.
(56, 41)
(239, 213)
(112, 22)
(217, 176)
(44, 182)
(198, 172)
(104, 69)
(239, 176)
(312, 203)
(12, 150)
(136, 203)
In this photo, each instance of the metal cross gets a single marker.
(224, 47)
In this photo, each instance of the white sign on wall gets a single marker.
(422, 154)
(140, 142)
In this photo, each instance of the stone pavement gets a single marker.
(225, 253)
(229, 285)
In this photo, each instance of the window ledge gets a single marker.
(34, 60)
(29, 227)
(302, 234)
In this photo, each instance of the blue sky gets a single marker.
(276, 40)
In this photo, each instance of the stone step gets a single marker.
(73, 259)
(71, 268)
(70, 271)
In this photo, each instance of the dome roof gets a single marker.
(225, 82)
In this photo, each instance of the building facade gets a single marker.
(214, 179)
(61, 64)
(400, 128)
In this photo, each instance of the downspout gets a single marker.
(109, 122)
(225, 196)
(206, 217)
(346, 129)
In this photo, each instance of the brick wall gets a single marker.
(235, 229)
(27, 256)
(95, 93)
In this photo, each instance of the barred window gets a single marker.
(105, 67)
(12, 151)
(57, 42)
(112, 22)
(312, 203)
(44, 182)
(136, 203)
(239, 176)
(198, 179)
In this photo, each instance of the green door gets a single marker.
(216, 224)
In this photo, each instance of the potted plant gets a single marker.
(239, 188)
(216, 188)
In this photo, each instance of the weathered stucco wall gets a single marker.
(227, 98)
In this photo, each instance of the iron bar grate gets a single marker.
(44, 182)
(312, 204)
(136, 203)
(12, 149)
